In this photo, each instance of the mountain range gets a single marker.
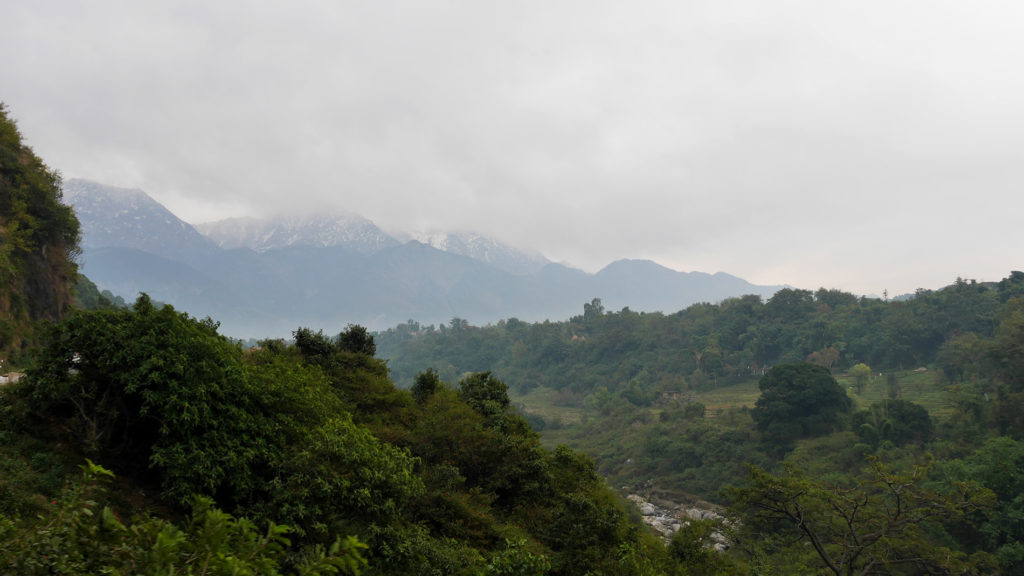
(264, 278)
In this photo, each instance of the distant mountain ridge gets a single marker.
(361, 235)
(341, 229)
(486, 250)
(131, 218)
(264, 278)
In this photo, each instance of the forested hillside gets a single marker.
(38, 242)
(646, 355)
(846, 435)
(312, 435)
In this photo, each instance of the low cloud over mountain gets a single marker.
(267, 277)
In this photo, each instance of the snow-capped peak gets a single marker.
(333, 229)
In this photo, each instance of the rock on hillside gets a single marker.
(668, 517)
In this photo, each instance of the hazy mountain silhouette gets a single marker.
(266, 278)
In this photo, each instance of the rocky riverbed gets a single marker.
(668, 517)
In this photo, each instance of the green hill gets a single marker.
(38, 243)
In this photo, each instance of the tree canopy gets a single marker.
(892, 421)
(38, 242)
(314, 436)
(798, 400)
(879, 525)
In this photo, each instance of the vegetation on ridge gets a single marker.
(315, 437)
(677, 407)
(38, 243)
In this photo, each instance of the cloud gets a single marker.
(863, 146)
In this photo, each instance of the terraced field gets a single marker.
(919, 386)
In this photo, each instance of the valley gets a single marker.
(785, 432)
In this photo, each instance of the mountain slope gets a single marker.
(646, 285)
(497, 254)
(348, 230)
(326, 272)
(129, 218)
(38, 242)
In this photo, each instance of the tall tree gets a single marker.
(798, 400)
(485, 393)
(882, 524)
(357, 340)
(861, 374)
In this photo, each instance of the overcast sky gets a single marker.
(865, 145)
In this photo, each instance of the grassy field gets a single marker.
(733, 396)
(919, 387)
(541, 401)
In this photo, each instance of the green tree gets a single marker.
(999, 466)
(357, 340)
(79, 534)
(861, 374)
(341, 478)
(313, 345)
(798, 400)
(517, 560)
(593, 310)
(693, 545)
(893, 422)
(485, 393)
(154, 387)
(1007, 352)
(89, 297)
(427, 382)
(892, 386)
(882, 524)
(1012, 285)
(265, 433)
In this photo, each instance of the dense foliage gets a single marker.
(798, 401)
(877, 522)
(892, 422)
(861, 417)
(315, 437)
(38, 242)
(78, 535)
(645, 355)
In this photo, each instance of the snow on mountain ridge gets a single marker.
(113, 216)
(485, 249)
(321, 230)
(362, 235)
(130, 217)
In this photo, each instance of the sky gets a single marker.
(868, 146)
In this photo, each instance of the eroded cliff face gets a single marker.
(38, 242)
(48, 283)
(39, 290)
